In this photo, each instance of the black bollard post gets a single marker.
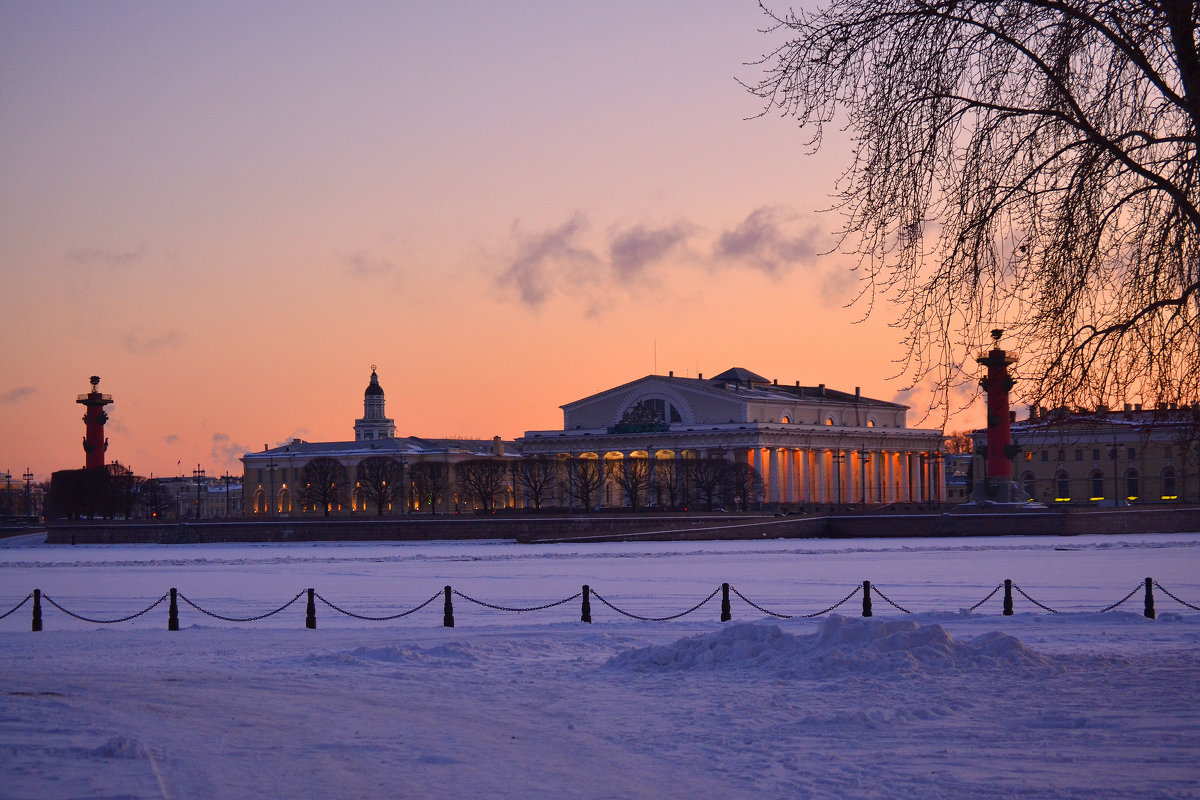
(1149, 598)
(448, 613)
(310, 616)
(173, 612)
(866, 598)
(1008, 597)
(726, 614)
(37, 610)
(586, 614)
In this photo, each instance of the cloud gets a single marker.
(364, 265)
(765, 241)
(107, 256)
(225, 452)
(17, 395)
(540, 256)
(172, 438)
(632, 251)
(139, 344)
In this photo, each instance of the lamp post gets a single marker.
(864, 458)
(7, 492)
(271, 467)
(198, 474)
(28, 476)
(226, 477)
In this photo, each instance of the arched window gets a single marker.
(870, 422)
(1168, 484)
(1097, 481)
(785, 419)
(260, 501)
(285, 501)
(1062, 487)
(1131, 484)
(829, 421)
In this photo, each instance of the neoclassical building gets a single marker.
(1106, 457)
(272, 478)
(810, 444)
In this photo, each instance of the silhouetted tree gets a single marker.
(584, 478)
(537, 477)
(326, 484)
(710, 480)
(380, 481)
(481, 479)
(672, 477)
(1028, 165)
(153, 499)
(430, 481)
(745, 484)
(634, 475)
(959, 443)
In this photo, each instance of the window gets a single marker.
(829, 420)
(1095, 454)
(1079, 455)
(870, 423)
(1167, 452)
(785, 419)
(260, 501)
(1131, 485)
(1131, 453)
(1062, 487)
(1168, 485)
(1097, 479)
(1029, 455)
(1062, 455)
(1045, 456)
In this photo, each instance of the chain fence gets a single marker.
(725, 590)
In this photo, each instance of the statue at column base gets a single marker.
(1001, 495)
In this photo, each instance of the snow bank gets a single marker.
(841, 645)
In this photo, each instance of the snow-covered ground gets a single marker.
(939, 703)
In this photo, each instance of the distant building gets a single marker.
(811, 445)
(1134, 456)
(272, 479)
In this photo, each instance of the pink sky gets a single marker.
(229, 211)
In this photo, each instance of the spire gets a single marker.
(374, 423)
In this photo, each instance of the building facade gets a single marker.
(811, 445)
(1131, 457)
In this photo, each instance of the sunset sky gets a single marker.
(230, 211)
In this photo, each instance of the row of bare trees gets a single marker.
(382, 482)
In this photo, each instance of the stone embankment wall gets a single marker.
(645, 527)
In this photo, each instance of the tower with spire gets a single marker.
(94, 442)
(374, 424)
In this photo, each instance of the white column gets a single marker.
(772, 485)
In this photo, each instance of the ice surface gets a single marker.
(939, 703)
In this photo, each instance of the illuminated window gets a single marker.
(785, 419)
(1168, 485)
(1097, 479)
(870, 423)
(1062, 487)
(1131, 485)
(829, 420)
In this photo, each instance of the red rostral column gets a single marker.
(997, 384)
(94, 443)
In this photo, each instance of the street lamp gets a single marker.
(271, 467)
(864, 458)
(28, 476)
(198, 474)
(226, 477)
(7, 492)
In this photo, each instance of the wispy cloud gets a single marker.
(17, 395)
(363, 264)
(570, 261)
(141, 344)
(225, 452)
(171, 438)
(107, 256)
(767, 240)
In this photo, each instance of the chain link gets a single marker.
(1035, 602)
(657, 619)
(1136, 589)
(575, 596)
(755, 605)
(17, 606)
(1176, 599)
(999, 586)
(377, 619)
(888, 600)
(104, 621)
(838, 604)
(242, 619)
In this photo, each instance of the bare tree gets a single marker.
(153, 498)
(481, 479)
(380, 481)
(959, 443)
(430, 482)
(634, 475)
(745, 484)
(671, 481)
(710, 480)
(537, 478)
(326, 484)
(1030, 165)
(585, 476)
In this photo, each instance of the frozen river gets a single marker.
(938, 703)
